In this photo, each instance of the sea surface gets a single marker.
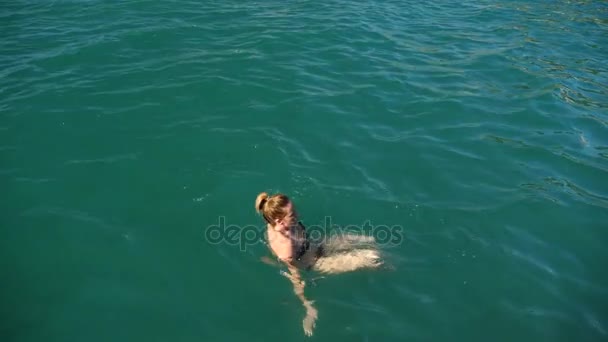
(477, 131)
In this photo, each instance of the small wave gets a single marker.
(105, 160)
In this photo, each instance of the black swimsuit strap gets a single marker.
(305, 246)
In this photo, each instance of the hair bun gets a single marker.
(260, 201)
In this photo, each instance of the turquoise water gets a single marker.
(127, 129)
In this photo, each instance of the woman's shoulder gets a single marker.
(280, 247)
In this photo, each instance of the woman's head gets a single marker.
(276, 209)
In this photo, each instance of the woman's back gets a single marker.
(288, 245)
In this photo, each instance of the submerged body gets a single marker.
(336, 254)
(288, 241)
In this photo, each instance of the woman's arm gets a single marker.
(298, 286)
(298, 283)
(269, 261)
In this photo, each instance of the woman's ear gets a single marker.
(280, 225)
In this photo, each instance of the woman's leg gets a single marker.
(348, 241)
(348, 261)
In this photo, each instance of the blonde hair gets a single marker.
(271, 207)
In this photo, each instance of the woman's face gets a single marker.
(290, 219)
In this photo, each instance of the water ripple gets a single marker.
(105, 160)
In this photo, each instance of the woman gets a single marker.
(289, 242)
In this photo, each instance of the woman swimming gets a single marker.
(289, 242)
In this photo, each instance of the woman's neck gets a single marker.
(275, 230)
